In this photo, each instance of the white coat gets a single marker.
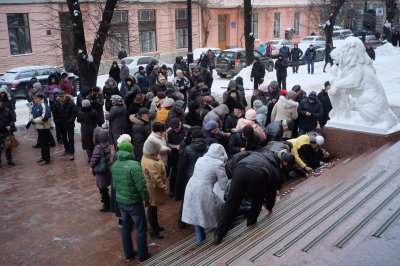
(201, 206)
(284, 109)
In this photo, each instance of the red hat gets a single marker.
(283, 92)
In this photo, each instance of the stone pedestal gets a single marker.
(345, 142)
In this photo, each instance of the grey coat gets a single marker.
(118, 118)
(201, 206)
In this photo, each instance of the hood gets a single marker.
(178, 59)
(199, 145)
(123, 156)
(100, 135)
(50, 77)
(239, 81)
(262, 110)
(131, 78)
(6, 92)
(288, 104)
(37, 86)
(217, 151)
(221, 110)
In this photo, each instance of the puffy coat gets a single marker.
(7, 118)
(201, 206)
(310, 54)
(309, 123)
(284, 109)
(274, 131)
(154, 170)
(65, 113)
(231, 121)
(124, 71)
(41, 115)
(128, 179)
(140, 132)
(118, 118)
(297, 143)
(100, 139)
(89, 120)
(197, 148)
(216, 114)
(285, 51)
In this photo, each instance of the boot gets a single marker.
(159, 228)
(151, 216)
(105, 199)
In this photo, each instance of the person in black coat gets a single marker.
(328, 58)
(323, 97)
(114, 72)
(110, 88)
(208, 78)
(252, 172)
(232, 119)
(64, 113)
(281, 66)
(89, 119)
(257, 72)
(141, 130)
(371, 52)
(295, 55)
(243, 140)
(310, 58)
(310, 111)
(7, 127)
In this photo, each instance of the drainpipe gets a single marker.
(237, 25)
(200, 25)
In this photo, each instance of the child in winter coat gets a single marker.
(103, 179)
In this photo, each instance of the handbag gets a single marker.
(102, 165)
(10, 142)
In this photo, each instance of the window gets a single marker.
(181, 28)
(18, 33)
(296, 25)
(119, 35)
(254, 25)
(277, 25)
(147, 32)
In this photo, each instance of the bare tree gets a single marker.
(89, 63)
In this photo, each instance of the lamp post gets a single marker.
(189, 23)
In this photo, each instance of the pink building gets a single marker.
(40, 33)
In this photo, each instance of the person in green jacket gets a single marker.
(131, 192)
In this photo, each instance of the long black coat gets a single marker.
(295, 54)
(114, 73)
(258, 71)
(118, 118)
(140, 132)
(89, 119)
(323, 97)
(108, 92)
(281, 67)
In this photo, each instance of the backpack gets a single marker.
(102, 165)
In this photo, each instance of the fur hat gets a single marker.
(251, 114)
(151, 146)
(116, 99)
(123, 138)
(85, 103)
(211, 125)
(274, 85)
(257, 104)
(138, 98)
(169, 102)
(125, 146)
(159, 127)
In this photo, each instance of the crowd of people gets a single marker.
(151, 139)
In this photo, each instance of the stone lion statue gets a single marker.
(356, 86)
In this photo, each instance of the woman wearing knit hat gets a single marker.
(154, 171)
(89, 118)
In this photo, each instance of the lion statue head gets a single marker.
(351, 53)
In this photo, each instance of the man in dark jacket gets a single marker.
(131, 192)
(285, 52)
(7, 127)
(123, 75)
(232, 119)
(323, 97)
(281, 66)
(310, 58)
(140, 131)
(257, 72)
(310, 111)
(65, 112)
(142, 78)
(274, 131)
(295, 55)
(252, 172)
(122, 54)
(207, 76)
(271, 96)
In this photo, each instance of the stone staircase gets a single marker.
(326, 220)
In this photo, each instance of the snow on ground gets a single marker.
(386, 65)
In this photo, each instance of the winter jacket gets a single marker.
(97, 102)
(310, 54)
(124, 72)
(323, 97)
(216, 114)
(100, 139)
(83, 93)
(309, 123)
(140, 132)
(89, 120)
(281, 66)
(208, 170)
(65, 112)
(118, 118)
(258, 71)
(261, 115)
(178, 111)
(7, 118)
(231, 121)
(296, 54)
(274, 131)
(242, 122)
(164, 148)
(66, 86)
(284, 109)
(142, 79)
(297, 144)
(108, 92)
(187, 161)
(115, 73)
(128, 179)
(156, 180)
(41, 115)
(236, 142)
(285, 51)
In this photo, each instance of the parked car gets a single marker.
(371, 41)
(277, 44)
(341, 34)
(17, 79)
(319, 56)
(134, 62)
(314, 40)
(197, 53)
(231, 61)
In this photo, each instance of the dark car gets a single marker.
(319, 56)
(17, 79)
(231, 61)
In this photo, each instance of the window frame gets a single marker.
(22, 38)
(277, 25)
(296, 23)
(120, 30)
(254, 25)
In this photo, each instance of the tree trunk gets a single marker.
(391, 8)
(249, 39)
(328, 29)
(89, 64)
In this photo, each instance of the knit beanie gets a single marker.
(257, 104)
(251, 114)
(125, 146)
(124, 138)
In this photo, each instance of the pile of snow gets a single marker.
(387, 50)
